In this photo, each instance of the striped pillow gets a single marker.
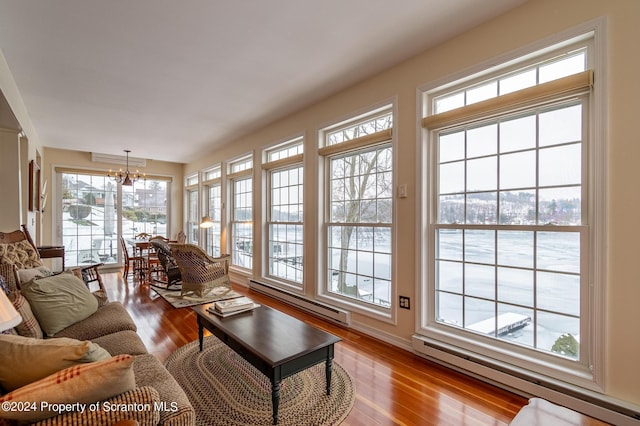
(29, 327)
(77, 385)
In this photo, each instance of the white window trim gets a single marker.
(387, 315)
(268, 167)
(229, 180)
(592, 379)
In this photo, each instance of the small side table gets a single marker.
(47, 252)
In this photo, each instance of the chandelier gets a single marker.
(124, 177)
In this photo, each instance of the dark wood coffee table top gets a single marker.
(273, 336)
(275, 343)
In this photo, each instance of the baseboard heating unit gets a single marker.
(327, 312)
(519, 381)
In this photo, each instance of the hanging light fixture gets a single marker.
(124, 177)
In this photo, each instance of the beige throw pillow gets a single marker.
(59, 301)
(82, 384)
(25, 360)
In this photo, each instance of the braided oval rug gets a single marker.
(224, 389)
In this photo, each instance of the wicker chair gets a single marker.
(200, 272)
(168, 263)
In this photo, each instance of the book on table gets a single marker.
(232, 305)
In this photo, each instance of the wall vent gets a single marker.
(118, 159)
(330, 313)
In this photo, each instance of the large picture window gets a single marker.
(510, 229)
(284, 174)
(359, 214)
(193, 211)
(241, 187)
(95, 212)
(213, 196)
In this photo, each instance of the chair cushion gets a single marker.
(25, 359)
(122, 342)
(110, 318)
(82, 384)
(59, 301)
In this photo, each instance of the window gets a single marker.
(509, 225)
(144, 208)
(95, 212)
(193, 213)
(213, 188)
(285, 211)
(241, 188)
(359, 213)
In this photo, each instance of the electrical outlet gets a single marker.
(405, 302)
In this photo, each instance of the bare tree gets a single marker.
(361, 193)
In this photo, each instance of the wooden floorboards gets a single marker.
(393, 386)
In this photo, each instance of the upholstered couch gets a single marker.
(129, 383)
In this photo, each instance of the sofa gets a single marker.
(88, 352)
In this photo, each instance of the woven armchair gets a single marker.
(200, 272)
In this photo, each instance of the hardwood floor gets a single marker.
(393, 386)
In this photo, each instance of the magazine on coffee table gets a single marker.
(249, 308)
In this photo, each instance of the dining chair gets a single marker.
(136, 262)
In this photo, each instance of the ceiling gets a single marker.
(171, 80)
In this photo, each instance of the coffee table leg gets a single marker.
(200, 333)
(275, 398)
(328, 366)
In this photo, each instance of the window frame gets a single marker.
(283, 157)
(192, 212)
(214, 210)
(115, 247)
(240, 170)
(587, 373)
(327, 152)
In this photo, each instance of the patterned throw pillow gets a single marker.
(5, 289)
(6, 271)
(26, 275)
(83, 384)
(21, 253)
(26, 360)
(29, 327)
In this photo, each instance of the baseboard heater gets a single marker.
(517, 380)
(327, 312)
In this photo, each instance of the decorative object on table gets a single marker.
(226, 390)
(225, 308)
(175, 299)
(200, 272)
(124, 177)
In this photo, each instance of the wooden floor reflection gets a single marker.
(393, 386)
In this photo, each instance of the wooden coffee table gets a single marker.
(276, 344)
